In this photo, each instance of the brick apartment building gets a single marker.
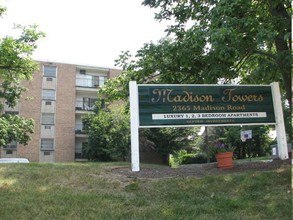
(59, 95)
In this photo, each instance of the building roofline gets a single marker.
(79, 65)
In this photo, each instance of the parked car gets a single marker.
(14, 160)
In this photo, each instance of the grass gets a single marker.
(91, 191)
(253, 159)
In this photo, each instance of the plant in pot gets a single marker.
(223, 154)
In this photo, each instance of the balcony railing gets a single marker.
(79, 129)
(85, 106)
(79, 155)
(90, 81)
(86, 83)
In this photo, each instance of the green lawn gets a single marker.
(91, 191)
(253, 159)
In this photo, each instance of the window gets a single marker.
(102, 80)
(9, 152)
(47, 153)
(47, 144)
(89, 103)
(50, 71)
(48, 94)
(98, 80)
(11, 113)
(82, 71)
(48, 127)
(49, 79)
(48, 103)
(47, 119)
(95, 81)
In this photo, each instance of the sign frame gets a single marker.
(135, 119)
(201, 105)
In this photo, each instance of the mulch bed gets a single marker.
(201, 170)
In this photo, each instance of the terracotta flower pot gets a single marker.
(225, 160)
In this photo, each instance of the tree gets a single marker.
(108, 134)
(250, 39)
(16, 65)
(240, 41)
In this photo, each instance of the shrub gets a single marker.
(182, 157)
(108, 135)
(177, 158)
(196, 158)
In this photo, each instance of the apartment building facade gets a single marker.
(58, 96)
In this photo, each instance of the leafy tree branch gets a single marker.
(16, 65)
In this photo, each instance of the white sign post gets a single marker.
(134, 123)
(280, 126)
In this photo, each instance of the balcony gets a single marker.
(88, 81)
(79, 131)
(79, 145)
(86, 105)
(80, 157)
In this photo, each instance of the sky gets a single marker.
(86, 32)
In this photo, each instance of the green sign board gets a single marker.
(165, 105)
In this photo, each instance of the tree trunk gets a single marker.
(283, 47)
